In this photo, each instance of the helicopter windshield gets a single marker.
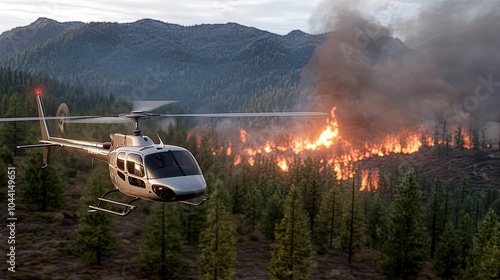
(171, 164)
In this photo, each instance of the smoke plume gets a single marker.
(443, 66)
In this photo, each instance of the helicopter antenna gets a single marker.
(161, 142)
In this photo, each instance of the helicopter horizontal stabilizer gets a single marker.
(37, 146)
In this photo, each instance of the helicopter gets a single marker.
(138, 167)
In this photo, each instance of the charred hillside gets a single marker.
(480, 169)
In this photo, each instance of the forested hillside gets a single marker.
(212, 67)
(261, 222)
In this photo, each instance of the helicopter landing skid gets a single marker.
(203, 199)
(127, 207)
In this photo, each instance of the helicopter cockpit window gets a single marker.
(171, 164)
(120, 161)
(134, 165)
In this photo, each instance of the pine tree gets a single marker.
(447, 261)
(292, 256)
(406, 242)
(466, 232)
(352, 232)
(311, 189)
(217, 241)
(329, 215)
(438, 219)
(459, 138)
(377, 220)
(163, 242)
(476, 144)
(486, 249)
(253, 207)
(273, 213)
(42, 188)
(94, 235)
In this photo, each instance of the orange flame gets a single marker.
(243, 135)
(342, 163)
(342, 155)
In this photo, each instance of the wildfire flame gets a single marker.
(329, 138)
(341, 155)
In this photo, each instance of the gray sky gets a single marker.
(277, 16)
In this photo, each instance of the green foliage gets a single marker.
(492, 200)
(6, 156)
(234, 72)
(377, 220)
(163, 242)
(447, 261)
(406, 243)
(253, 207)
(465, 235)
(329, 215)
(312, 189)
(437, 214)
(273, 213)
(486, 249)
(94, 237)
(352, 232)
(293, 253)
(217, 241)
(42, 188)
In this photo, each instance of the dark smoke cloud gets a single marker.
(445, 67)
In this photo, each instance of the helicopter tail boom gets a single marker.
(95, 150)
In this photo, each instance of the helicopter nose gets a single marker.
(164, 192)
(179, 188)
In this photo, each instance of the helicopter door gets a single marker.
(135, 169)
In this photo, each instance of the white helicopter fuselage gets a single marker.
(140, 168)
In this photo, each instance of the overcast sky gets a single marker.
(277, 16)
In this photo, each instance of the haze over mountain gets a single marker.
(216, 67)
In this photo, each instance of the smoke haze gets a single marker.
(445, 67)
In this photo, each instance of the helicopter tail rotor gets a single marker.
(62, 114)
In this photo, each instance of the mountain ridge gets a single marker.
(197, 64)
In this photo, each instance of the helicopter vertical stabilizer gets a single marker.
(45, 128)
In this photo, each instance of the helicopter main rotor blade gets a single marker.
(114, 119)
(245, 115)
(127, 118)
(21, 119)
(149, 105)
